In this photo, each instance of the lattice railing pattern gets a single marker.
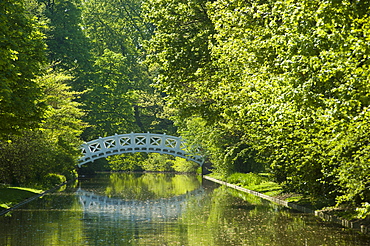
(137, 142)
(138, 209)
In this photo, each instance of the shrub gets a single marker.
(184, 166)
(52, 179)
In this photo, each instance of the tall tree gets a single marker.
(117, 98)
(21, 55)
(68, 47)
(179, 54)
(53, 148)
(286, 82)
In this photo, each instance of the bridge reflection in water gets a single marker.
(164, 208)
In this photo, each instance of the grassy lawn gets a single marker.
(10, 196)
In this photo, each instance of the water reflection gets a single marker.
(165, 209)
(138, 209)
(143, 186)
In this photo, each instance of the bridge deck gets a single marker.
(137, 142)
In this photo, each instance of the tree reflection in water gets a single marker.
(164, 209)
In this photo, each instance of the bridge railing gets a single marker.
(137, 142)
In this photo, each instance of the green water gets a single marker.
(163, 209)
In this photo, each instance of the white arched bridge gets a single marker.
(138, 142)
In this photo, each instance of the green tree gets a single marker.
(282, 83)
(127, 162)
(296, 75)
(179, 54)
(22, 54)
(157, 162)
(182, 165)
(68, 46)
(63, 124)
(109, 99)
(119, 98)
(30, 157)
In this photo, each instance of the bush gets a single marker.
(157, 162)
(184, 166)
(52, 179)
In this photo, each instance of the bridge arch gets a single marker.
(136, 142)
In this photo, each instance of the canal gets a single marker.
(163, 209)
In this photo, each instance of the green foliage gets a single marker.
(184, 166)
(21, 56)
(150, 162)
(277, 85)
(126, 162)
(26, 158)
(63, 123)
(53, 148)
(109, 101)
(118, 26)
(52, 179)
(157, 162)
(199, 135)
(68, 46)
(363, 211)
(179, 54)
(119, 98)
(150, 113)
(246, 179)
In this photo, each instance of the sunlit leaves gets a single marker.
(63, 123)
(179, 53)
(21, 55)
(288, 80)
(117, 31)
(109, 98)
(52, 148)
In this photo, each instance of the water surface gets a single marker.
(163, 209)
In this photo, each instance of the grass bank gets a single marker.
(257, 182)
(9, 196)
(262, 183)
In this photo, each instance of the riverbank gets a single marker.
(14, 197)
(10, 196)
(276, 196)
